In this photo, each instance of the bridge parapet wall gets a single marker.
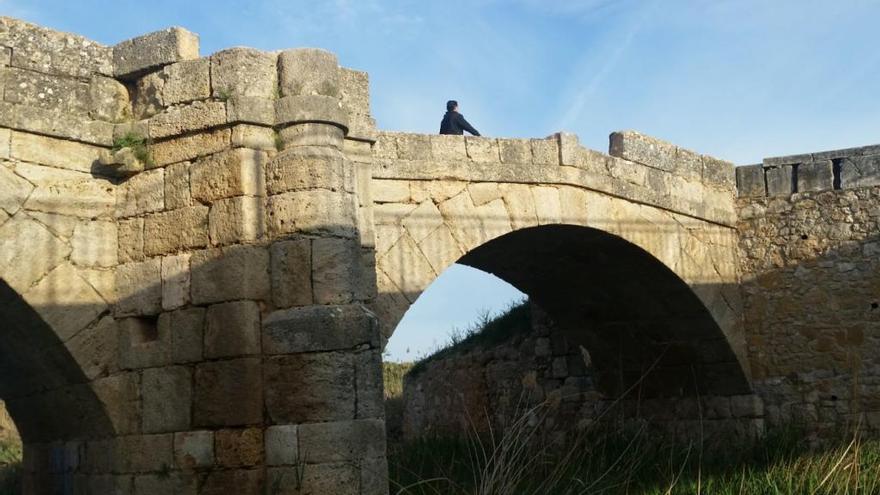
(849, 168)
(639, 169)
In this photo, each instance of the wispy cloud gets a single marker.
(594, 78)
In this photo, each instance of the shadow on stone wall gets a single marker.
(45, 389)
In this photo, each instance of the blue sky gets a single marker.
(740, 80)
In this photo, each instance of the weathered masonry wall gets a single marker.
(810, 257)
(542, 374)
(190, 322)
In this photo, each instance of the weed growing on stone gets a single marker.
(138, 144)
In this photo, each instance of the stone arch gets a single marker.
(46, 390)
(690, 261)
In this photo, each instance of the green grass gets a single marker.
(10, 468)
(393, 374)
(486, 332)
(633, 462)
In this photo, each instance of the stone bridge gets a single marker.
(201, 259)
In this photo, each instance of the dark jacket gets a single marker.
(454, 123)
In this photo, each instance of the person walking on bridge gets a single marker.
(454, 122)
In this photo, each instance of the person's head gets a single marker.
(451, 106)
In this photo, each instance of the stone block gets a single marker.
(28, 251)
(317, 211)
(520, 205)
(237, 481)
(750, 181)
(374, 476)
(445, 147)
(177, 189)
(174, 482)
(746, 406)
(291, 269)
(186, 81)
(244, 71)
(547, 205)
(860, 171)
(636, 147)
(54, 52)
(779, 180)
(147, 52)
(147, 98)
(304, 168)
(484, 192)
(239, 219)
(545, 151)
(54, 152)
(5, 139)
(230, 273)
(336, 273)
(50, 123)
(422, 221)
(143, 193)
(515, 150)
(167, 396)
(250, 110)
(342, 441)
(419, 146)
(64, 192)
(94, 244)
(236, 172)
(175, 281)
(232, 329)
(228, 393)
(120, 395)
(143, 453)
(254, 137)
(282, 446)
(190, 147)
(239, 447)
(187, 335)
(182, 119)
(194, 449)
(174, 230)
(390, 191)
(139, 288)
(440, 249)
(815, 176)
(65, 301)
(319, 110)
(130, 242)
(717, 173)
(50, 92)
(369, 382)
(144, 342)
(310, 387)
(312, 133)
(308, 71)
(108, 100)
(95, 348)
(336, 478)
(319, 328)
(482, 150)
(407, 267)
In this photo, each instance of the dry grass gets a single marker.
(632, 461)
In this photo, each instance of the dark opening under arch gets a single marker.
(644, 326)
